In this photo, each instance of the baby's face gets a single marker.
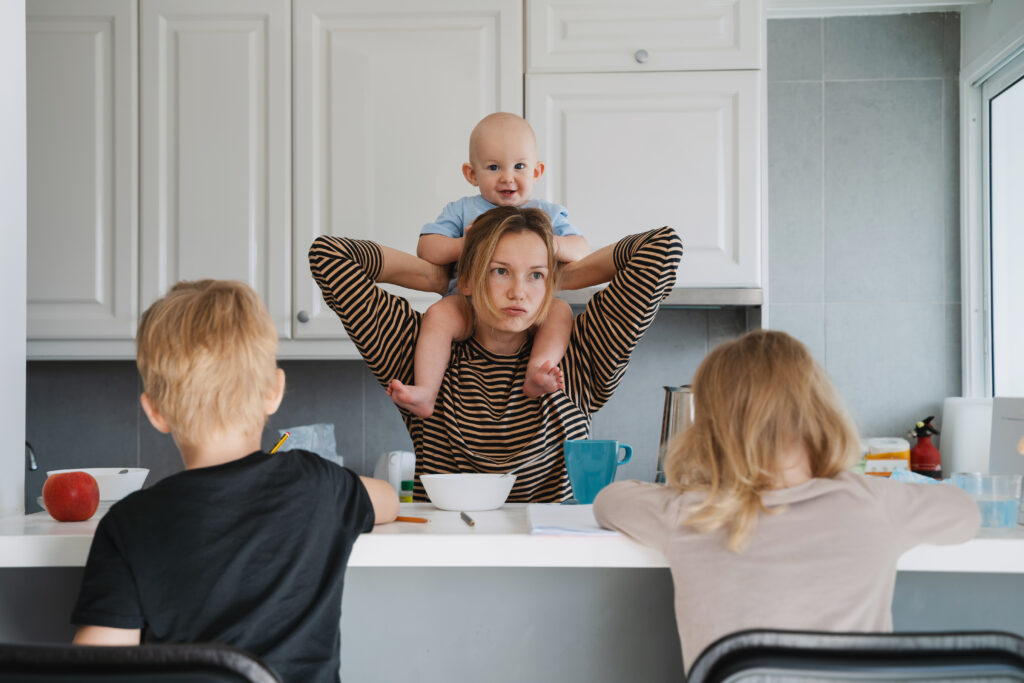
(504, 165)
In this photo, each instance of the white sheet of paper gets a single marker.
(564, 520)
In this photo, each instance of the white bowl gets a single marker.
(115, 482)
(468, 491)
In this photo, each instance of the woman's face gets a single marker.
(516, 282)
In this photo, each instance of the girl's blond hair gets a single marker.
(481, 241)
(753, 397)
(207, 356)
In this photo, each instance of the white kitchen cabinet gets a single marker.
(651, 113)
(216, 155)
(643, 35)
(82, 144)
(630, 152)
(386, 94)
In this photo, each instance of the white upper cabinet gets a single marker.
(650, 113)
(386, 94)
(216, 132)
(630, 152)
(643, 35)
(82, 151)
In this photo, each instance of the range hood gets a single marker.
(686, 297)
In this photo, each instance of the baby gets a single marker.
(503, 164)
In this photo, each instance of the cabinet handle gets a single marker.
(303, 317)
(640, 56)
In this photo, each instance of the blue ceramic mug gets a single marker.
(591, 464)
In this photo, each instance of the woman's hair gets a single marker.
(481, 241)
(207, 356)
(754, 397)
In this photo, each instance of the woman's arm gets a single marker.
(571, 248)
(641, 269)
(383, 326)
(439, 249)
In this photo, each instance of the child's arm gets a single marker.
(569, 248)
(107, 635)
(543, 375)
(384, 499)
(439, 249)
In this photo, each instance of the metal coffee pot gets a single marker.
(677, 417)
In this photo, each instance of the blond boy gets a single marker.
(242, 547)
(503, 164)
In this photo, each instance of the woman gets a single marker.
(762, 522)
(482, 421)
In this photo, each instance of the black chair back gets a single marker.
(806, 656)
(186, 663)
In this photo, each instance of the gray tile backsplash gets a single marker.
(881, 154)
(891, 47)
(863, 267)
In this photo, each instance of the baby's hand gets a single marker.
(543, 380)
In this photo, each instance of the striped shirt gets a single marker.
(482, 420)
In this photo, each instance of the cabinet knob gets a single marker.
(303, 317)
(640, 56)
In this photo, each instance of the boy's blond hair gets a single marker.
(754, 397)
(207, 355)
(481, 241)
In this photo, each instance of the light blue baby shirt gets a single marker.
(458, 215)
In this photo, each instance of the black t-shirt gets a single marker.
(251, 553)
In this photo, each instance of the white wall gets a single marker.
(982, 26)
(13, 220)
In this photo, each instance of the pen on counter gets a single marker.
(284, 437)
(467, 519)
(417, 520)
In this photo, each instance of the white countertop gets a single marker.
(499, 538)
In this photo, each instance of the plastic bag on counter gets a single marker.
(316, 438)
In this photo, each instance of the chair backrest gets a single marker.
(186, 663)
(797, 656)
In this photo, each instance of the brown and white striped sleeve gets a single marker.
(384, 327)
(605, 334)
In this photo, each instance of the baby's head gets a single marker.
(503, 159)
(754, 398)
(207, 355)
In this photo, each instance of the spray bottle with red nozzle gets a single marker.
(924, 456)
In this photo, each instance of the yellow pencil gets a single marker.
(280, 441)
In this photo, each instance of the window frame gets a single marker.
(978, 81)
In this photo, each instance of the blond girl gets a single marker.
(762, 522)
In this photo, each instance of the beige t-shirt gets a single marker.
(826, 563)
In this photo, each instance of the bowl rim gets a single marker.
(445, 475)
(100, 470)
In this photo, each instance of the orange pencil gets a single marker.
(418, 520)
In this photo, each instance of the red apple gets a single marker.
(71, 496)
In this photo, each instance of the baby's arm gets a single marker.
(543, 376)
(569, 248)
(439, 249)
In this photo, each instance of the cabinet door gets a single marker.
(386, 94)
(629, 152)
(216, 134)
(82, 152)
(643, 35)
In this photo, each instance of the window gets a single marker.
(992, 219)
(1003, 94)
